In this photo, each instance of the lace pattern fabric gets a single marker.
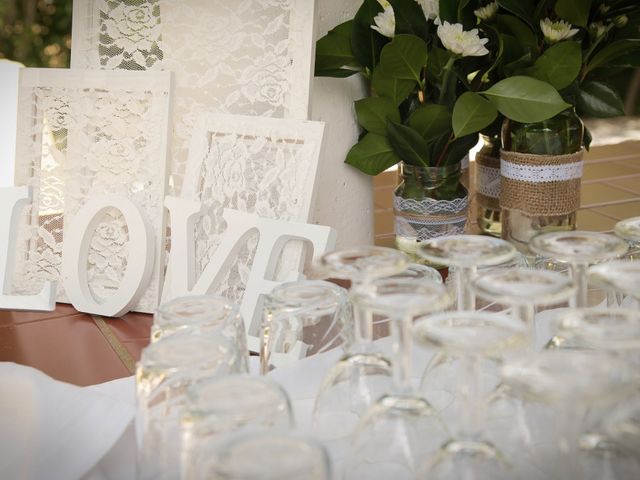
(95, 133)
(488, 180)
(255, 165)
(541, 173)
(429, 218)
(250, 57)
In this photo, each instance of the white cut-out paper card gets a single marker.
(265, 166)
(83, 134)
(248, 57)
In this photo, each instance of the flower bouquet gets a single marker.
(441, 72)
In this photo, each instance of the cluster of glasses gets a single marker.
(498, 388)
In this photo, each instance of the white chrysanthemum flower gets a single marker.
(456, 40)
(385, 23)
(384, 3)
(487, 12)
(431, 8)
(556, 31)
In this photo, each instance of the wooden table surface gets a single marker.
(88, 349)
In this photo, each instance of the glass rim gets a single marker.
(182, 351)
(609, 247)
(430, 249)
(621, 229)
(213, 310)
(326, 296)
(359, 263)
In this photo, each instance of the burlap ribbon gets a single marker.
(488, 181)
(540, 184)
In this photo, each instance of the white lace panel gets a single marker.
(257, 165)
(541, 173)
(422, 220)
(488, 180)
(250, 57)
(81, 134)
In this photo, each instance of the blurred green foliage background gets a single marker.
(36, 33)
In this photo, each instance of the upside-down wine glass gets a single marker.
(302, 319)
(466, 253)
(621, 276)
(401, 428)
(524, 289)
(363, 374)
(578, 249)
(475, 344)
(629, 229)
(561, 385)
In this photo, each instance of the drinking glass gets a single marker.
(218, 407)
(302, 319)
(419, 272)
(629, 230)
(524, 289)
(165, 370)
(563, 385)
(401, 427)
(267, 456)
(578, 249)
(363, 374)
(466, 253)
(199, 315)
(470, 347)
(621, 276)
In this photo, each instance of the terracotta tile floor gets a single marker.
(84, 349)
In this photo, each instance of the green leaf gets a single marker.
(587, 138)
(525, 99)
(598, 99)
(559, 65)
(612, 51)
(459, 148)
(404, 57)
(520, 30)
(472, 113)
(334, 49)
(336, 73)
(373, 113)
(448, 10)
(366, 43)
(372, 154)
(409, 17)
(520, 8)
(394, 89)
(408, 144)
(431, 121)
(575, 12)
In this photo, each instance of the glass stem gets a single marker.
(264, 342)
(579, 274)
(527, 314)
(402, 354)
(466, 298)
(472, 398)
(363, 322)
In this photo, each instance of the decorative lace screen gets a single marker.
(249, 57)
(84, 133)
(265, 166)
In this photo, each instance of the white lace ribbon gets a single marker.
(541, 173)
(488, 180)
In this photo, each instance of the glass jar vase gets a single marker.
(488, 185)
(428, 202)
(541, 169)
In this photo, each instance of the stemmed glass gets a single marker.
(466, 253)
(474, 344)
(301, 319)
(524, 289)
(219, 407)
(363, 374)
(621, 276)
(401, 427)
(568, 382)
(578, 249)
(629, 229)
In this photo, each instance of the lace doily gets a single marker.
(82, 134)
(488, 181)
(251, 57)
(429, 218)
(541, 173)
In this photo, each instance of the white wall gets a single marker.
(8, 112)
